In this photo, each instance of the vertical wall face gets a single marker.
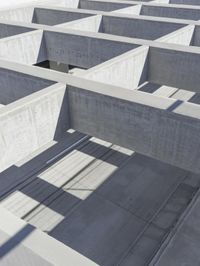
(162, 63)
(150, 130)
(185, 2)
(32, 123)
(82, 51)
(10, 30)
(93, 24)
(14, 86)
(134, 10)
(196, 37)
(27, 48)
(19, 14)
(54, 17)
(132, 66)
(103, 6)
(169, 12)
(137, 28)
(184, 36)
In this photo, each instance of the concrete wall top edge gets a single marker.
(191, 110)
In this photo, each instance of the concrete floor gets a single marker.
(110, 204)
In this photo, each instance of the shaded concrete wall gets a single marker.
(10, 30)
(14, 86)
(53, 17)
(196, 36)
(82, 51)
(185, 2)
(30, 123)
(171, 12)
(160, 129)
(103, 6)
(137, 28)
(162, 63)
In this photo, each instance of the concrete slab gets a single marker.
(142, 186)
(98, 228)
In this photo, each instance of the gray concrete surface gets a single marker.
(126, 73)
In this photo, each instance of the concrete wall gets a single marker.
(14, 85)
(10, 30)
(103, 6)
(82, 51)
(27, 48)
(161, 1)
(154, 126)
(185, 2)
(24, 14)
(54, 17)
(171, 12)
(134, 10)
(196, 36)
(32, 122)
(127, 70)
(174, 68)
(92, 24)
(137, 28)
(182, 36)
(59, 3)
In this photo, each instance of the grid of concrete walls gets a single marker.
(125, 73)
